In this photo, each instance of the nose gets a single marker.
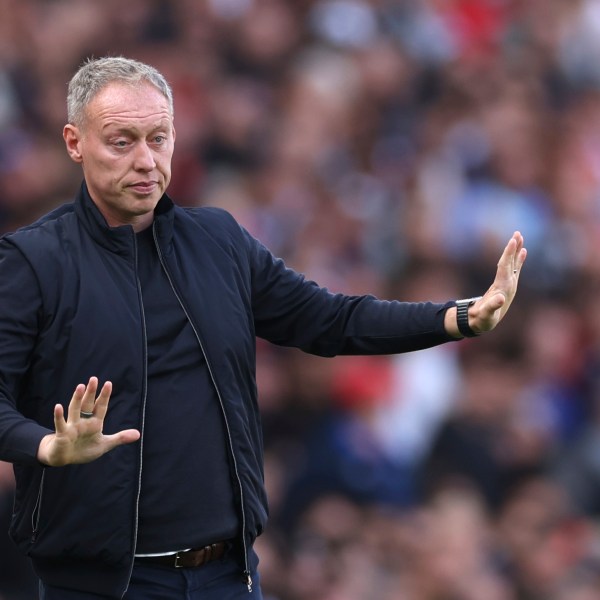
(143, 157)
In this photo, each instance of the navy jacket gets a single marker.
(70, 308)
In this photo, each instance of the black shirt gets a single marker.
(186, 492)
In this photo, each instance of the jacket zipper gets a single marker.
(144, 397)
(247, 576)
(37, 509)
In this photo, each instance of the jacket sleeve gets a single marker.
(290, 310)
(20, 304)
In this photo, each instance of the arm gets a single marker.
(21, 306)
(24, 440)
(289, 310)
(490, 309)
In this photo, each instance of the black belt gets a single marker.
(188, 558)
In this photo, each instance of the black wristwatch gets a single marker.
(462, 316)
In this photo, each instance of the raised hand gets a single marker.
(78, 438)
(489, 310)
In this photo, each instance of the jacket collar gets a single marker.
(121, 239)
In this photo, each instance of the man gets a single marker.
(160, 496)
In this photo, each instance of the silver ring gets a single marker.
(86, 415)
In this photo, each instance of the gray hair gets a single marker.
(96, 73)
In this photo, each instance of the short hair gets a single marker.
(96, 73)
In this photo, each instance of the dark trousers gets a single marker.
(217, 580)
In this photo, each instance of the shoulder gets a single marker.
(45, 227)
(212, 224)
(41, 239)
(208, 216)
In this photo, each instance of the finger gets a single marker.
(102, 402)
(127, 436)
(75, 403)
(491, 304)
(496, 301)
(518, 236)
(507, 259)
(89, 397)
(520, 252)
(59, 419)
(521, 257)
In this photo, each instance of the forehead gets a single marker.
(122, 104)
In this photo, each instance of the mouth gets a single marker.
(143, 187)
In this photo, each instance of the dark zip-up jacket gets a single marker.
(70, 308)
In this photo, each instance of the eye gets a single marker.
(120, 143)
(159, 139)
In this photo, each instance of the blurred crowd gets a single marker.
(387, 147)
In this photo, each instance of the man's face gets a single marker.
(125, 145)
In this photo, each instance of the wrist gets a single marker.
(463, 317)
(450, 324)
(43, 453)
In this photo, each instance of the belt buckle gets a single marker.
(177, 557)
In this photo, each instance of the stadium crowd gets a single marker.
(387, 147)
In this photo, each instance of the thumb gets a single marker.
(496, 301)
(127, 436)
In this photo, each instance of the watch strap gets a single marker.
(462, 316)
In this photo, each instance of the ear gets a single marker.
(72, 136)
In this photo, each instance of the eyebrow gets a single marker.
(120, 129)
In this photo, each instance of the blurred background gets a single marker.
(387, 147)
